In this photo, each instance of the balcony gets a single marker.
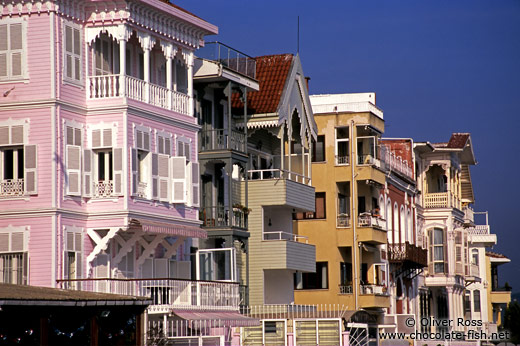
(441, 200)
(368, 159)
(223, 217)
(371, 229)
(219, 139)
(400, 253)
(373, 296)
(280, 235)
(481, 234)
(501, 295)
(114, 86)
(103, 189)
(11, 188)
(390, 161)
(284, 250)
(229, 57)
(166, 293)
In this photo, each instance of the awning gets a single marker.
(167, 228)
(222, 318)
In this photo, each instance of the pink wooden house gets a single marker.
(99, 178)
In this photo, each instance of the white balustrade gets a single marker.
(166, 293)
(436, 200)
(11, 187)
(108, 86)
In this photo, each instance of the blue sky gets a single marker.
(437, 67)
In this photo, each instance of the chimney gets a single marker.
(307, 79)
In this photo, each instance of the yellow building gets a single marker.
(497, 297)
(347, 226)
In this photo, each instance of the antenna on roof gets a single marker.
(298, 37)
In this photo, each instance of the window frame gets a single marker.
(441, 245)
(316, 278)
(337, 141)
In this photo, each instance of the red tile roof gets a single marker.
(458, 140)
(495, 255)
(271, 73)
(179, 8)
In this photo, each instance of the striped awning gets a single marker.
(218, 318)
(172, 229)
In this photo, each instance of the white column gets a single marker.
(147, 74)
(190, 85)
(169, 80)
(122, 67)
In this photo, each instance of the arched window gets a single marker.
(389, 221)
(396, 224)
(411, 238)
(402, 219)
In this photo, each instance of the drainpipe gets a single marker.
(246, 194)
(354, 218)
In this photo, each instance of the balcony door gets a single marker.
(106, 56)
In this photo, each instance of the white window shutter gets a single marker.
(96, 138)
(73, 163)
(4, 135)
(107, 138)
(167, 146)
(87, 173)
(164, 177)
(146, 141)
(187, 151)
(178, 179)
(135, 165)
(117, 162)
(195, 177)
(155, 176)
(180, 148)
(31, 169)
(139, 139)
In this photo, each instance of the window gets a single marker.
(107, 163)
(72, 256)
(72, 60)
(318, 150)
(437, 242)
(73, 150)
(181, 76)
(342, 147)
(17, 162)
(141, 162)
(184, 148)
(13, 257)
(346, 275)
(164, 144)
(309, 281)
(105, 56)
(474, 257)
(320, 210)
(12, 56)
(476, 301)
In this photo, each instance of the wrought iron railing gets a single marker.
(219, 139)
(345, 289)
(342, 220)
(222, 216)
(407, 252)
(229, 57)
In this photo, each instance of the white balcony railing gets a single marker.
(103, 189)
(373, 289)
(280, 235)
(11, 187)
(166, 293)
(369, 220)
(479, 230)
(391, 161)
(112, 86)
